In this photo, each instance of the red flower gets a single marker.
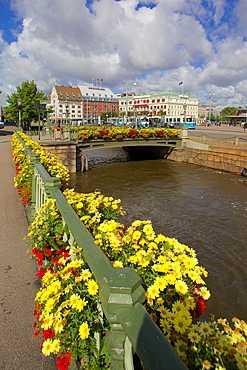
(48, 333)
(35, 250)
(40, 255)
(48, 251)
(200, 308)
(63, 360)
(41, 272)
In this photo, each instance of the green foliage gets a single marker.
(228, 111)
(28, 93)
(108, 115)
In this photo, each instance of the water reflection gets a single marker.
(202, 208)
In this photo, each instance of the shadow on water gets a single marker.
(202, 208)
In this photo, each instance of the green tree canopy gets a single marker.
(109, 114)
(229, 111)
(28, 93)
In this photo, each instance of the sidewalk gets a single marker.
(19, 350)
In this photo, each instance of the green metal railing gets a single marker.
(121, 293)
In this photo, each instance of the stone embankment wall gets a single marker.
(223, 159)
(67, 152)
(219, 158)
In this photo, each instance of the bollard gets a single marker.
(84, 162)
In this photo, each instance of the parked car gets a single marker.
(1, 124)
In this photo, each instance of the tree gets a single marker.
(228, 111)
(28, 93)
(108, 115)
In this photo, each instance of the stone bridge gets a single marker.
(173, 142)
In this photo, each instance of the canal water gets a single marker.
(202, 208)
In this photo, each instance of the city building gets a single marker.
(239, 118)
(81, 104)
(170, 107)
(97, 100)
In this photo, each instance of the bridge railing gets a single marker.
(121, 293)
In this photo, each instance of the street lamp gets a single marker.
(126, 103)
(210, 105)
(185, 109)
(19, 101)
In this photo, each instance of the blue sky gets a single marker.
(152, 44)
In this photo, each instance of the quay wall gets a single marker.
(222, 159)
(219, 158)
(67, 153)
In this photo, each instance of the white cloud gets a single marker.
(154, 46)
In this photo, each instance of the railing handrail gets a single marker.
(121, 292)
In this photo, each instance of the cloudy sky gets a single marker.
(150, 44)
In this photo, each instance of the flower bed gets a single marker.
(94, 132)
(67, 313)
(23, 176)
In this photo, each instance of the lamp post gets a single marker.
(185, 109)
(19, 101)
(126, 103)
(210, 105)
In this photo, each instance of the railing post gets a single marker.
(121, 289)
(52, 183)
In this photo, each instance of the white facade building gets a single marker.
(169, 106)
(83, 104)
(66, 104)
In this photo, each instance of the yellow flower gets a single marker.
(47, 347)
(74, 300)
(206, 365)
(136, 235)
(92, 287)
(181, 324)
(81, 304)
(205, 328)
(153, 292)
(50, 304)
(160, 301)
(161, 283)
(181, 287)
(204, 292)
(133, 259)
(55, 346)
(178, 307)
(180, 347)
(86, 274)
(143, 262)
(58, 327)
(152, 245)
(194, 337)
(84, 330)
(190, 263)
(161, 259)
(166, 326)
(163, 311)
(47, 321)
(148, 229)
(170, 278)
(118, 264)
